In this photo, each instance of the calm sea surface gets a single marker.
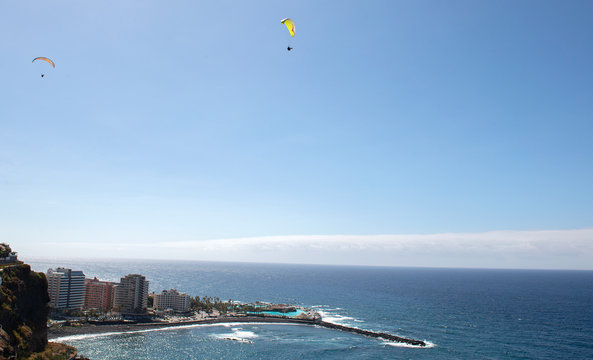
(465, 314)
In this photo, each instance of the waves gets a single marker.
(113, 333)
(404, 345)
(168, 328)
(332, 315)
(239, 335)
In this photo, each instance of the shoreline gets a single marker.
(90, 329)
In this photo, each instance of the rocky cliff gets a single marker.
(23, 312)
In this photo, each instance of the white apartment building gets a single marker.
(65, 288)
(130, 296)
(171, 299)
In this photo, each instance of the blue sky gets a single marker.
(188, 121)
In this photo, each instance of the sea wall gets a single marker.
(374, 334)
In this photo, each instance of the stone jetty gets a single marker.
(374, 334)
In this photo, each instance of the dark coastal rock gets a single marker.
(374, 334)
(23, 311)
(6, 349)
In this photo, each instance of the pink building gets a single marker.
(98, 294)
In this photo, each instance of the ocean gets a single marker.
(461, 313)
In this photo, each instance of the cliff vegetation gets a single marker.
(23, 312)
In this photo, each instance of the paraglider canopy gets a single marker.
(45, 59)
(289, 25)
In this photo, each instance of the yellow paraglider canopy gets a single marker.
(45, 59)
(289, 25)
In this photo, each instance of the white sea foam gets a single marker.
(238, 334)
(399, 344)
(329, 315)
(84, 336)
(90, 336)
(334, 318)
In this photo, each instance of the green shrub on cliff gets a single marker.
(55, 351)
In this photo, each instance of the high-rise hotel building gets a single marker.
(99, 294)
(131, 295)
(65, 288)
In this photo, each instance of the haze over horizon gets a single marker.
(420, 133)
(561, 250)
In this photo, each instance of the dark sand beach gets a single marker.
(57, 331)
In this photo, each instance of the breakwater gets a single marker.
(56, 332)
(374, 334)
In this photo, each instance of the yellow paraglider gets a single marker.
(289, 25)
(45, 59)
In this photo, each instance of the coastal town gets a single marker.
(83, 305)
(76, 298)
(76, 305)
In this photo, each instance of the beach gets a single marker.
(57, 331)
